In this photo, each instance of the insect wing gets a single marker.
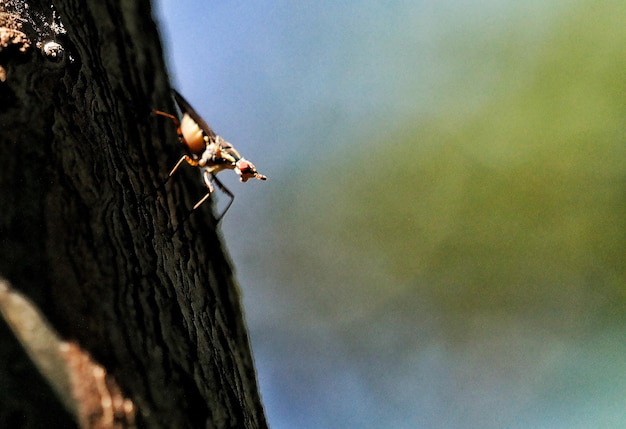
(185, 107)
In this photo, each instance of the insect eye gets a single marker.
(245, 167)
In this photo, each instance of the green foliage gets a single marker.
(518, 205)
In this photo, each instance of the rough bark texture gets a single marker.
(86, 237)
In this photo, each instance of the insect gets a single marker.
(207, 151)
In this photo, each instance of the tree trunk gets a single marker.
(90, 237)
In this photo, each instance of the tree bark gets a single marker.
(90, 237)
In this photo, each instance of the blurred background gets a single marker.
(442, 239)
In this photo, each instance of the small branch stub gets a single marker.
(22, 26)
(83, 385)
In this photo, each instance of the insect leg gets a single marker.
(187, 158)
(209, 185)
(227, 192)
(167, 115)
(180, 161)
(176, 122)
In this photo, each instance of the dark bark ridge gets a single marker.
(80, 152)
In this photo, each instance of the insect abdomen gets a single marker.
(193, 135)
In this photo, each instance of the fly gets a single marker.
(207, 151)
